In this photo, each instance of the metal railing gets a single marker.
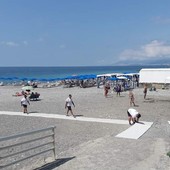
(40, 140)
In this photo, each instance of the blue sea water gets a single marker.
(61, 72)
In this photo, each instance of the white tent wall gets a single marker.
(154, 75)
(167, 80)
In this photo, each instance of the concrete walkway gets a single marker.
(133, 132)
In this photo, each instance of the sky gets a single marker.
(84, 32)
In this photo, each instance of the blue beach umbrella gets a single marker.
(70, 77)
(51, 79)
(8, 78)
(60, 78)
(87, 76)
(57, 79)
(13, 78)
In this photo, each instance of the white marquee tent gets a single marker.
(159, 75)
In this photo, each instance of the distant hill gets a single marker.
(162, 61)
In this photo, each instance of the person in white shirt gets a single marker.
(69, 102)
(24, 103)
(133, 116)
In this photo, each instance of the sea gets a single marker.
(25, 73)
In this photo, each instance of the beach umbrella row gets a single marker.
(73, 77)
(78, 77)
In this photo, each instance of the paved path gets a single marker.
(57, 116)
(133, 132)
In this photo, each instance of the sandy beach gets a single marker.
(92, 145)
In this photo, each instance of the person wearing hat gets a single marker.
(133, 116)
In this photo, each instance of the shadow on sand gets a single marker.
(79, 115)
(55, 163)
(140, 123)
(33, 112)
(149, 100)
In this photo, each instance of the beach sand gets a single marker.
(92, 145)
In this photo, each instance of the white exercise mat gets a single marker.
(135, 131)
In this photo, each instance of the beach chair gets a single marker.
(34, 96)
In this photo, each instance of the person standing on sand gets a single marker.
(118, 89)
(69, 102)
(106, 89)
(132, 98)
(24, 103)
(145, 91)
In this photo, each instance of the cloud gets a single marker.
(9, 44)
(161, 20)
(153, 50)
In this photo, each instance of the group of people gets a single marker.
(68, 104)
(117, 89)
(133, 115)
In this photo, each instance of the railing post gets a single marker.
(54, 151)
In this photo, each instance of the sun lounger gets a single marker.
(34, 96)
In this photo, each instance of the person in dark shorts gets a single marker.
(24, 103)
(69, 102)
(118, 89)
(133, 116)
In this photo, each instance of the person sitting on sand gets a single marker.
(68, 104)
(17, 94)
(133, 116)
